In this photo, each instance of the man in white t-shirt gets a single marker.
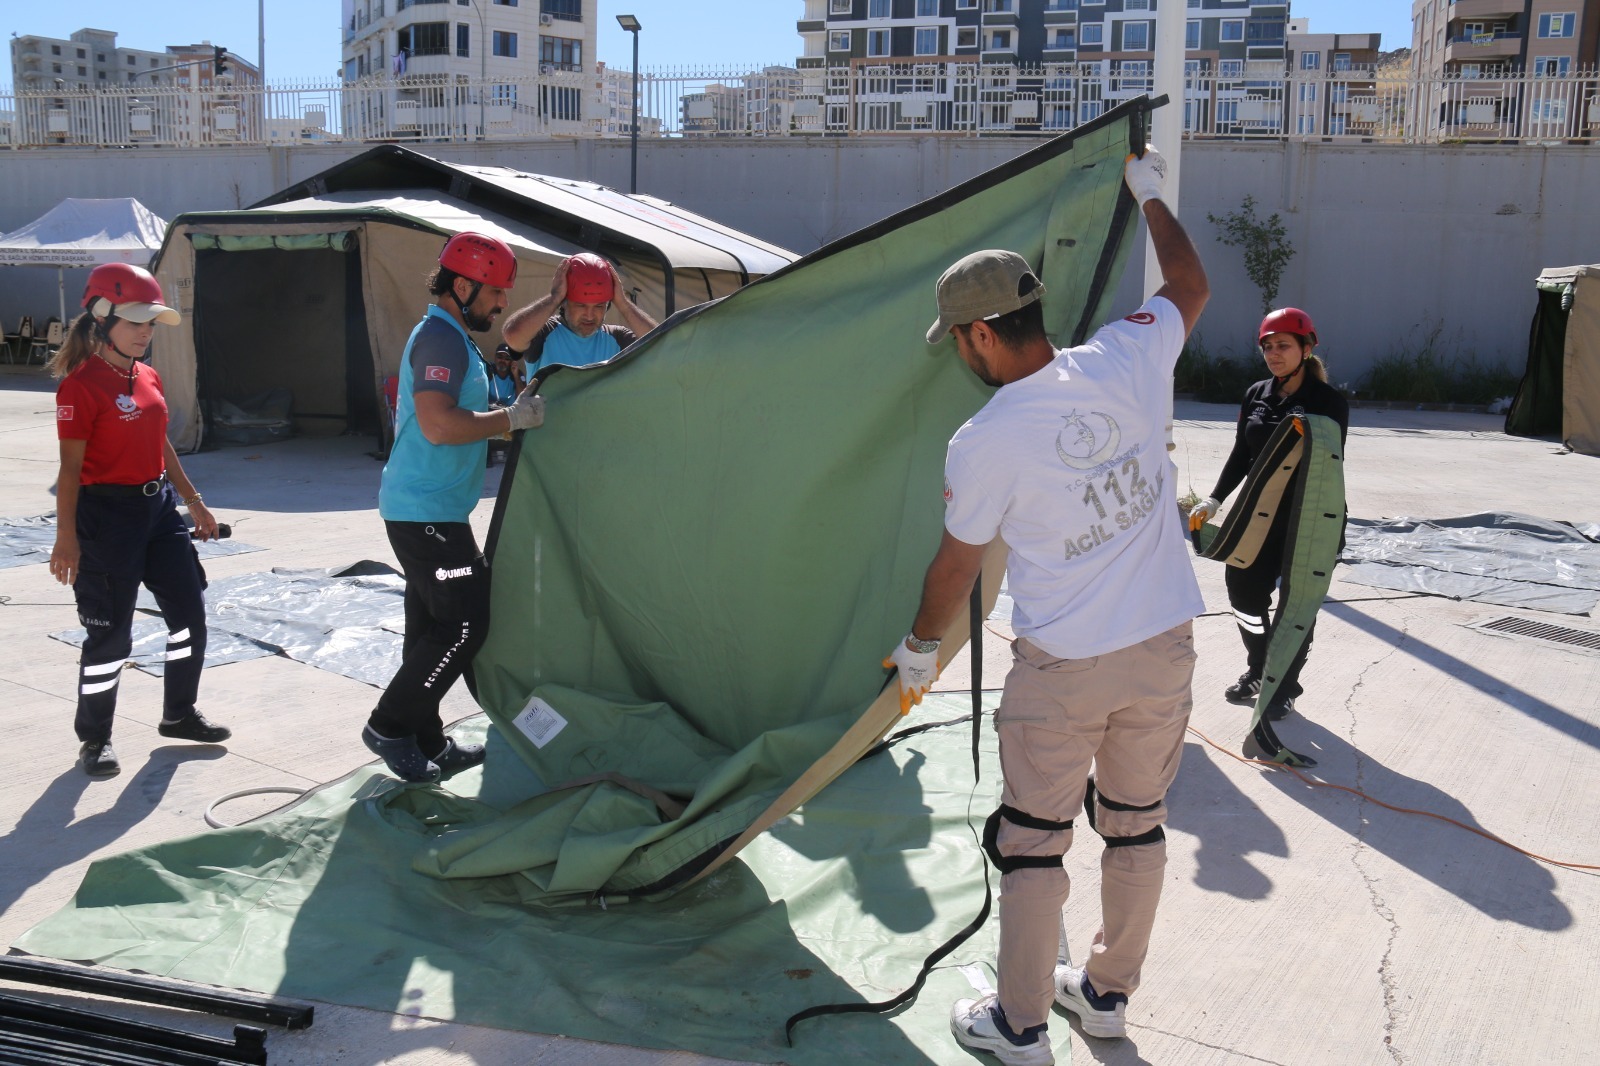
(1068, 463)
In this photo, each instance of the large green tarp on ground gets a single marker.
(698, 564)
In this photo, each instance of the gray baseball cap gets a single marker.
(985, 284)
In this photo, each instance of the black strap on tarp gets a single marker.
(975, 645)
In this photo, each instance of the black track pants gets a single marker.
(447, 620)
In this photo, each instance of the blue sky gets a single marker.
(303, 35)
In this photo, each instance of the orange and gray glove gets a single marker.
(1203, 512)
(917, 662)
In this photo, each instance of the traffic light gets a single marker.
(219, 60)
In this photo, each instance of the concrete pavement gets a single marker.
(1300, 925)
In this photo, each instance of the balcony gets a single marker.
(810, 26)
(1482, 46)
(1000, 12)
(1471, 9)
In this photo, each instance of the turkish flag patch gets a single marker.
(436, 373)
(64, 413)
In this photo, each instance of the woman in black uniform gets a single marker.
(1299, 381)
(117, 521)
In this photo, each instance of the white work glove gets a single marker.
(1203, 512)
(1146, 175)
(528, 411)
(917, 672)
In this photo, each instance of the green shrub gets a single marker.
(1213, 378)
(1428, 374)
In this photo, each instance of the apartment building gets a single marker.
(616, 101)
(474, 68)
(1486, 66)
(1332, 82)
(54, 80)
(1068, 59)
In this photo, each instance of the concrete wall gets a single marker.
(1392, 242)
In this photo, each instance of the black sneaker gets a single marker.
(458, 756)
(1280, 708)
(401, 755)
(98, 760)
(1244, 690)
(194, 727)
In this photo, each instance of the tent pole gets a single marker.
(61, 293)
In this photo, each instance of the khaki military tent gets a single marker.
(316, 288)
(1560, 390)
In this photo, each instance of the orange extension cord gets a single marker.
(1313, 782)
(1389, 806)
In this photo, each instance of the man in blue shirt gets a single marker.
(430, 484)
(584, 288)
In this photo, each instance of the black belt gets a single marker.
(148, 488)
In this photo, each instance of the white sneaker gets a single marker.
(1098, 1015)
(981, 1025)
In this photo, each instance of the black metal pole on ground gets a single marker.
(159, 990)
(18, 1014)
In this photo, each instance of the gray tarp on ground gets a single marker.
(29, 540)
(1512, 560)
(346, 620)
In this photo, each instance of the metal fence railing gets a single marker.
(1244, 100)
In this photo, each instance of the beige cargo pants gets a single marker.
(1123, 714)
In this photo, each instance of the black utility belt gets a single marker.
(148, 488)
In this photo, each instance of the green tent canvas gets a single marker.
(698, 564)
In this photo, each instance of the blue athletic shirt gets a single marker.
(557, 343)
(424, 482)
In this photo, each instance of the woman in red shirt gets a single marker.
(117, 521)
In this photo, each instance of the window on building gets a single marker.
(966, 4)
(505, 95)
(463, 39)
(1136, 5)
(1231, 30)
(877, 9)
(425, 39)
(562, 53)
(99, 57)
(1307, 124)
(505, 44)
(838, 7)
(1556, 24)
(839, 41)
(927, 8)
(927, 41)
(1092, 33)
(1135, 36)
(1194, 3)
(1341, 61)
(1310, 60)
(1339, 92)
(1308, 92)
(132, 61)
(1552, 66)
(1336, 125)
(82, 54)
(1265, 31)
(570, 10)
(1000, 41)
(55, 49)
(1191, 35)
(877, 42)
(967, 37)
(505, 3)
(83, 72)
(1230, 68)
(1063, 39)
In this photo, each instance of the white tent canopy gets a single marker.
(85, 233)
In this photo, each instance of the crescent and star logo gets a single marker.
(1141, 318)
(126, 405)
(1087, 440)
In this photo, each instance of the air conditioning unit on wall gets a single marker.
(545, 19)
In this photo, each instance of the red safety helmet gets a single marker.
(482, 259)
(589, 279)
(1287, 320)
(128, 292)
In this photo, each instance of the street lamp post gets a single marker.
(631, 24)
(483, 65)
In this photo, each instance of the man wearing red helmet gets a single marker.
(117, 521)
(1299, 381)
(584, 287)
(431, 482)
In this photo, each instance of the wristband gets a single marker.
(189, 501)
